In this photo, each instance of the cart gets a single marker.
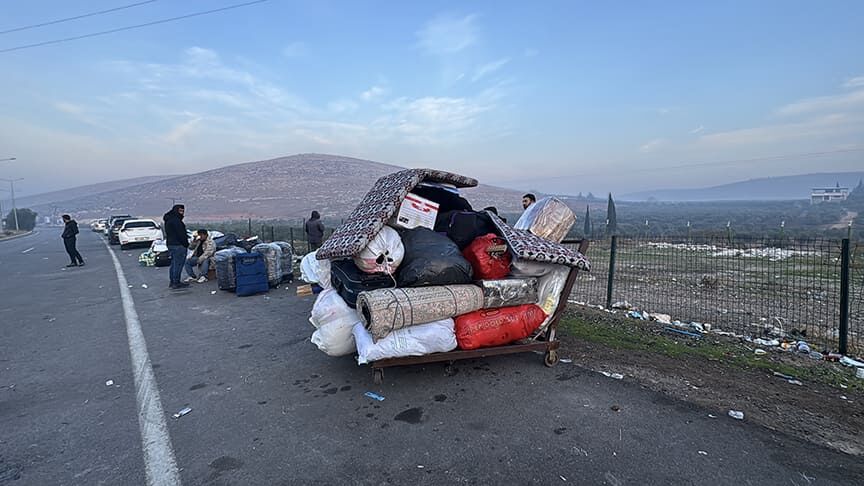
(545, 342)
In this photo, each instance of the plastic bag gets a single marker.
(431, 259)
(496, 327)
(509, 292)
(334, 321)
(420, 340)
(317, 271)
(383, 254)
(488, 266)
(527, 268)
(548, 218)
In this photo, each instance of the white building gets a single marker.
(828, 194)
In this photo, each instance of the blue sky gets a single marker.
(557, 96)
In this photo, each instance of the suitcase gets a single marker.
(273, 259)
(224, 263)
(349, 280)
(287, 261)
(251, 273)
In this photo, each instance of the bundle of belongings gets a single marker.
(415, 271)
(249, 270)
(156, 256)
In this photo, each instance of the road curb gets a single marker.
(9, 238)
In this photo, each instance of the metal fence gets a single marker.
(748, 286)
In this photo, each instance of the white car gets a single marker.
(99, 225)
(138, 231)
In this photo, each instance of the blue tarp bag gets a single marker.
(251, 273)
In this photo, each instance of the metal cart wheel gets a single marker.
(378, 376)
(551, 358)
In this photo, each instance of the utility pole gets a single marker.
(14, 208)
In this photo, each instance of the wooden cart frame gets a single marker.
(548, 345)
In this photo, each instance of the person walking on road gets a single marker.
(314, 231)
(177, 241)
(69, 237)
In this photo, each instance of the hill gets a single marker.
(768, 188)
(48, 198)
(282, 188)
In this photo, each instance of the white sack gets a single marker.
(549, 291)
(419, 340)
(383, 254)
(313, 270)
(334, 320)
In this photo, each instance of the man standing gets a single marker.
(314, 231)
(69, 238)
(528, 200)
(177, 241)
(202, 249)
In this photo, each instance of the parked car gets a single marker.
(138, 232)
(114, 230)
(99, 225)
(110, 224)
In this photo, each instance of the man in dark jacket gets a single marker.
(177, 241)
(315, 231)
(69, 238)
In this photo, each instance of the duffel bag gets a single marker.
(463, 227)
(486, 265)
(496, 327)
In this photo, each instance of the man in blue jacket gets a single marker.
(177, 241)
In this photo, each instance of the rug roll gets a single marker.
(385, 310)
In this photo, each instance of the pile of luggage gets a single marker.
(254, 269)
(416, 270)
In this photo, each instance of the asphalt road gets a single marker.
(269, 408)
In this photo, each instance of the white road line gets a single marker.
(159, 463)
(28, 250)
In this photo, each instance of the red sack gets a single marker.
(486, 266)
(495, 327)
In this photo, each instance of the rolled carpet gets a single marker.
(385, 310)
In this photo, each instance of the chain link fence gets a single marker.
(748, 286)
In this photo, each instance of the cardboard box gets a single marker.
(416, 211)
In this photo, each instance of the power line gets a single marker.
(69, 19)
(130, 27)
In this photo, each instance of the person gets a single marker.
(177, 241)
(494, 210)
(528, 200)
(314, 231)
(69, 238)
(202, 249)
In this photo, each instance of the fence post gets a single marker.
(612, 251)
(273, 232)
(291, 234)
(250, 227)
(844, 296)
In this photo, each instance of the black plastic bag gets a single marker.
(463, 227)
(431, 259)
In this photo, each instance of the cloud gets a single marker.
(856, 82)
(447, 34)
(665, 110)
(818, 104)
(652, 145)
(373, 93)
(342, 106)
(531, 52)
(489, 68)
(182, 130)
(428, 119)
(697, 130)
(822, 127)
(295, 49)
(68, 108)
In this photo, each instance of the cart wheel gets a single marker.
(378, 376)
(551, 358)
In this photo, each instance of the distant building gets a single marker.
(828, 194)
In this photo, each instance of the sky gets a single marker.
(555, 96)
